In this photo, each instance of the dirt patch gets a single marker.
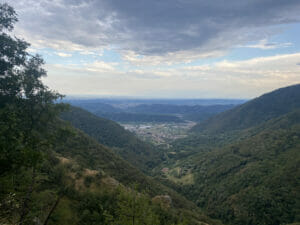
(164, 200)
(64, 160)
(88, 172)
(110, 182)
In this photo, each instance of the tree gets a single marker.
(27, 107)
(134, 209)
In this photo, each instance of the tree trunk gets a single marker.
(52, 210)
(25, 207)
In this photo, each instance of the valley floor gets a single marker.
(160, 134)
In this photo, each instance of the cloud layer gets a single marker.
(169, 48)
(152, 27)
(226, 79)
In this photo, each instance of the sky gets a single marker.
(164, 48)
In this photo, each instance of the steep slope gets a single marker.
(114, 173)
(88, 153)
(111, 134)
(254, 112)
(83, 182)
(255, 180)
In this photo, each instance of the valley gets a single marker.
(223, 161)
(160, 134)
(124, 160)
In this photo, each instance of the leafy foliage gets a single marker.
(83, 182)
(252, 180)
(27, 106)
(27, 114)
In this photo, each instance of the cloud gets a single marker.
(152, 28)
(100, 66)
(226, 79)
(265, 45)
(168, 58)
(63, 54)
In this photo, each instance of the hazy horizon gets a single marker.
(143, 97)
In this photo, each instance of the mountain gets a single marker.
(109, 133)
(178, 109)
(254, 112)
(88, 153)
(251, 181)
(83, 182)
(242, 166)
(157, 111)
(124, 103)
(195, 113)
(93, 105)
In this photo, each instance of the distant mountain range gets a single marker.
(124, 102)
(157, 111)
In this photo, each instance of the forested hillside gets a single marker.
(79, 181)
(246, 177)
(252, 181)
(254, 112)
(109, 133)
(96, 163)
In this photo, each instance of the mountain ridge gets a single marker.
(253, 112)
